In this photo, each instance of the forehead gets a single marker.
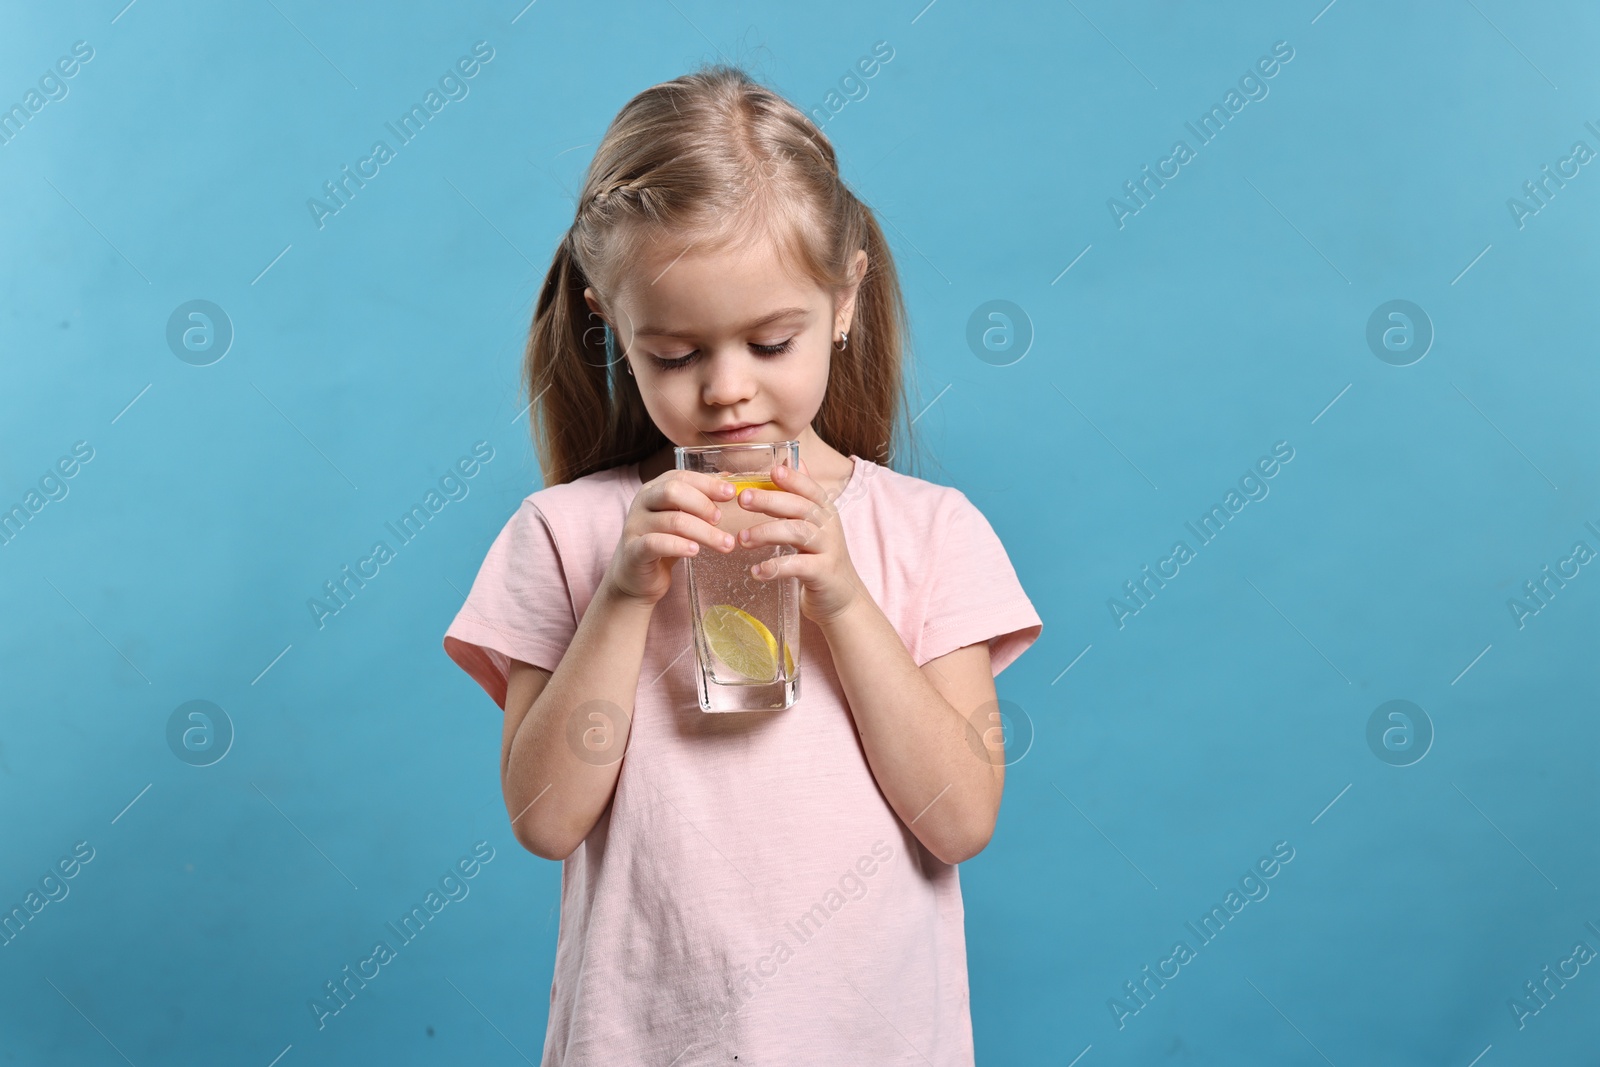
(682, 287)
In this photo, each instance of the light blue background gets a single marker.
(1227, 315)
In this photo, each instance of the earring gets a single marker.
(844, 339)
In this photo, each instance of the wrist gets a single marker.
(848, 617)
(610, 598)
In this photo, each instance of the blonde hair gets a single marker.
(714, 157)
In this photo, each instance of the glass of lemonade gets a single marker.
(746, 629)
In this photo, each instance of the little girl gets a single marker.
(765, 887)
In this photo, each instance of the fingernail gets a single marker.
(727, 542)
(744, 535)
(716, 514)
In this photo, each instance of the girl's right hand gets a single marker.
(673, 515)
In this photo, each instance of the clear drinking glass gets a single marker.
(746, 629)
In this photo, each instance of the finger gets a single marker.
(689, 495)
(665, 546)
(714, 486)
(783, 567)
(710, 486)
(692, 527)
(775, 502)
(796, 532)
(799, 482)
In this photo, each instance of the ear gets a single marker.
(845, 316)
(593, 302)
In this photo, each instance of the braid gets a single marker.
(602, 198)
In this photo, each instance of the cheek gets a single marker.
(804, 382)
(663, 403)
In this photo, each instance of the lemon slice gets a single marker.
(750, 482)
(743, 642)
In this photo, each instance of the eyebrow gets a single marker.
(781, 313)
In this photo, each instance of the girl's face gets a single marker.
(729, 339)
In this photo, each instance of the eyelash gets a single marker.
(684, 361)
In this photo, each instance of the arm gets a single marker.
(926, 732)
(566, 730)
(942, 777)
(553, 796)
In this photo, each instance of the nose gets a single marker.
(728, 379)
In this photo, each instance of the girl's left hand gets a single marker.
(805, 518)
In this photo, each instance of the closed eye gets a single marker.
(684, 361)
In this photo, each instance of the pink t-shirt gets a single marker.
(749, 893)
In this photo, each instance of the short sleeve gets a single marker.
(520, 606)
(973, 593)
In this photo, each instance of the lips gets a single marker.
(741, 432)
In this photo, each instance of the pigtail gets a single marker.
(867, 405)
(584, 416)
